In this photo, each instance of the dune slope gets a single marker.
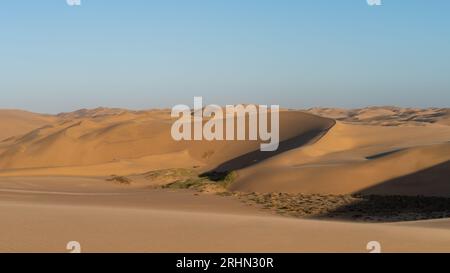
(17, 122)
(133, 140)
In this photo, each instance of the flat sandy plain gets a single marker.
(115, 181)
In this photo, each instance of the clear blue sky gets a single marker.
(158, 53)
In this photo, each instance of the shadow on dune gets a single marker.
(380, 155)
(258, 156)
(392, 208)
(421, 195)
(433, 181)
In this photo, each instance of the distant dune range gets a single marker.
(387, 115)
(317, 155)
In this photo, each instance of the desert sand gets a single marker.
(17, 122)
(103, 177)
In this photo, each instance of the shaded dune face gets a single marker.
(431, 181)
(315, 155)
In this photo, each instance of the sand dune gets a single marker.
(54, 174)
(445, 120)
(87, 139)
(315, 155)
(17, 122)
(386, 115)
(370, 176)
(352, 158)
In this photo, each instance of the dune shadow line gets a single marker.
(432, 181)
(421, 195)
(258, 156)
